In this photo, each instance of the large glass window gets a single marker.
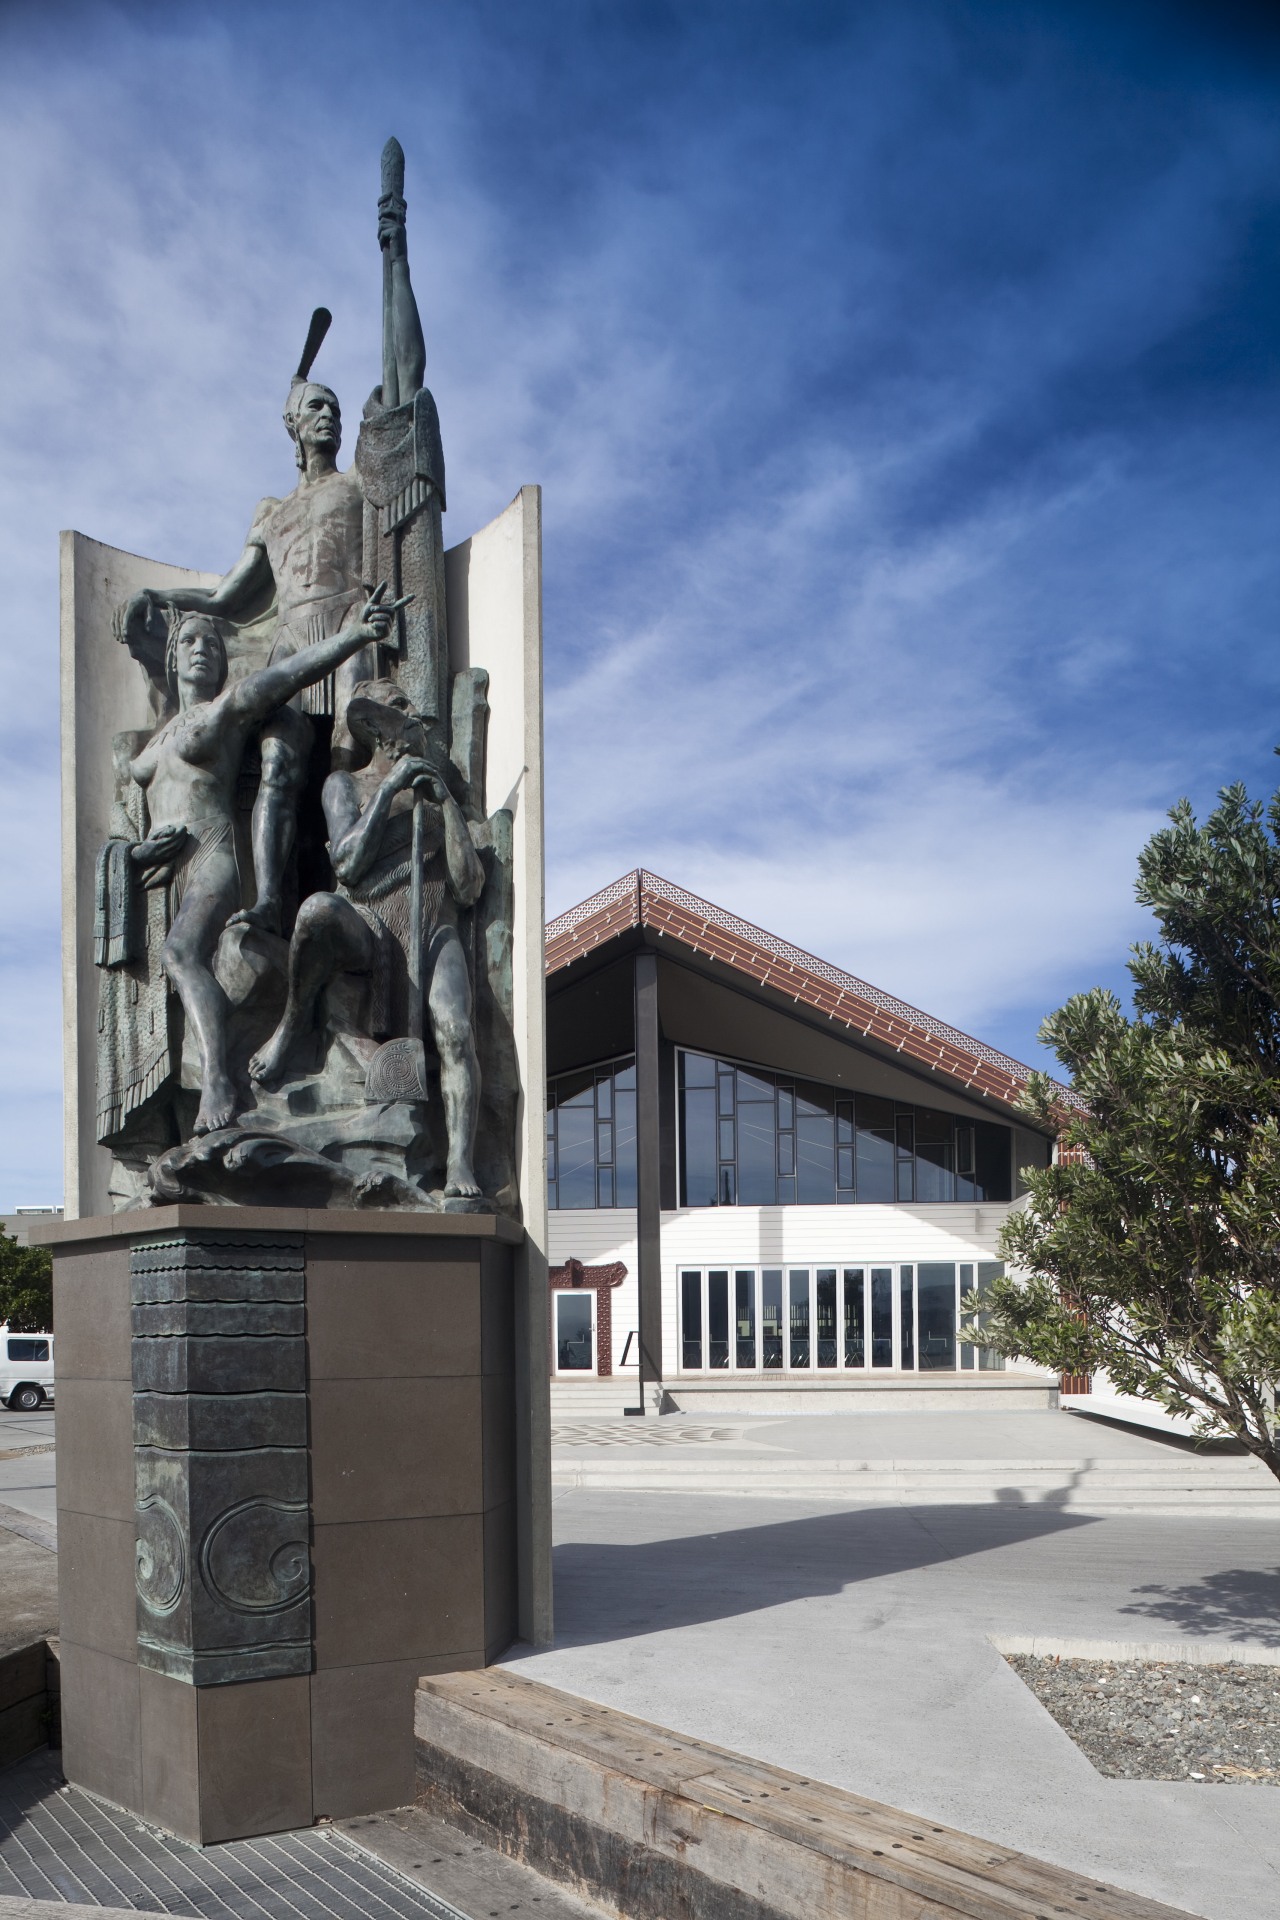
(799, 1296)
(808, 1319)
(771, 1316)
(937, 1301)
(753, 1138)
(988, 1360)
(882, 1316)
(718, 1318)
(875, 1137)
(591, 1137)
(691, 1322)
(855, 1346)
(826, 1289)
(745, 1298)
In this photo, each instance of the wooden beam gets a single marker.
(653, 1822)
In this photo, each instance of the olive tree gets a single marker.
(1152, 1248)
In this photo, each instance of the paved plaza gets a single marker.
(855, 1645)
(969, 1435)
(26, 1464)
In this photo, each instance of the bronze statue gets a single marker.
(309, 1044)
(307, 550)
(369, 926)
(188, 772)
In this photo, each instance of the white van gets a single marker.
(26, 1370)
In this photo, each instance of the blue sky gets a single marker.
(902, 381)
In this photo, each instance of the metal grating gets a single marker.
(628, 887)
(58, 1843)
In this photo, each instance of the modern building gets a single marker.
(770, 1183)
(17, 1225)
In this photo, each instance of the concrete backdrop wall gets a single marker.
(493, 584)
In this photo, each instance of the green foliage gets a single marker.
(1154, 1251)
(26, 1287)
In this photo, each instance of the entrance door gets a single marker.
(575, 1331)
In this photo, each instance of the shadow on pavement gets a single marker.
(1235, 1602)
(1217, 1446)
(613, 1590)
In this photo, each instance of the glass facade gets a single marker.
(901, 1318)
(749, 1137)
(591, 1137)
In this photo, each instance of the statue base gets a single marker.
(286, 1488)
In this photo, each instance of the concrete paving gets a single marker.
(28, 1590)
(1015, 1435)
(854, 1647)
(26, 1478)
(1013, 1457)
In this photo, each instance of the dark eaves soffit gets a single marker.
(642, 899)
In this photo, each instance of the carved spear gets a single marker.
(390, 201)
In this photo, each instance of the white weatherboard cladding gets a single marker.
(769, 1236)
(597, 1236)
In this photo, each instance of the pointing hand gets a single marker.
(377, 614)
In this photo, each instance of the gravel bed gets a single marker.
(1149, 1720)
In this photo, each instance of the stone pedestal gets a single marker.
(286, 1488)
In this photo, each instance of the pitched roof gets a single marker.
(645, 900)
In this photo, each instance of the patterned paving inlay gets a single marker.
(58, 1843)
(637, 1433)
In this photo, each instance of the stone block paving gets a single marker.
(58, 1843)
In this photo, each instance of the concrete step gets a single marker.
(1230, 1486)
(776, 1395)
(651, 1823)
(593, 1398)
(782, 1393)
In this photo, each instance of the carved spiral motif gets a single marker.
(161, 1568)
(255, 1557)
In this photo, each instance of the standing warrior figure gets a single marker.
(188, 772)
(309, 550)
(367, 927)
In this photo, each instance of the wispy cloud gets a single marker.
(899, 380)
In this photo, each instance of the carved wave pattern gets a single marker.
(255, 1558)
(161, 1555)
